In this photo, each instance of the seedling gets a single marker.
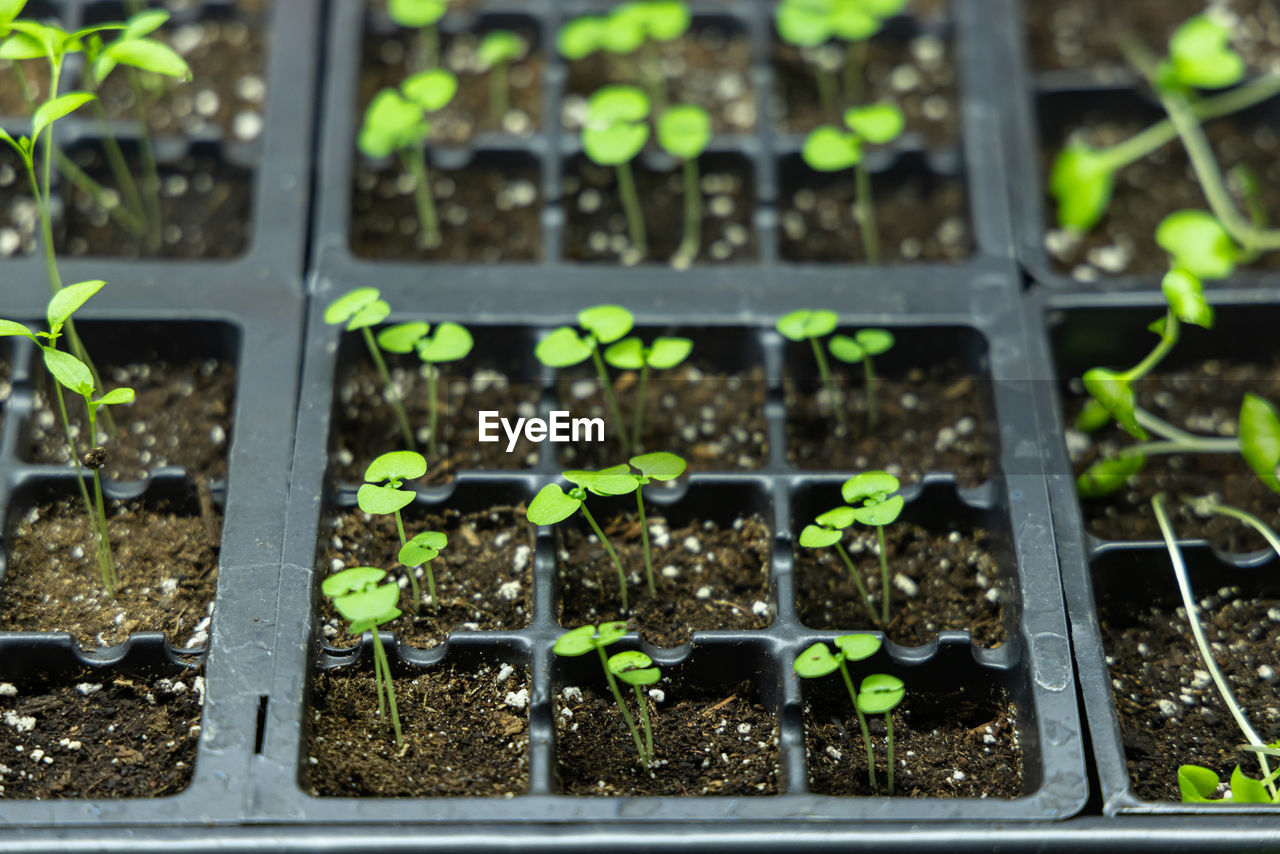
(565, 347)
(880, 692)
(631, 354)
(831, 149)
(381, 494)
(683, 132)
(396, 123)
(423, 16)
(359, 596)
(813, 325)
(864, 344)
(813, 23)
(496, 52)
(634, 668)
(449, 343)
(628, 28)
(613, 135)
(362, 309)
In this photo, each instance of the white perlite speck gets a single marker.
(8, 689)
(703, 593)
(517, 699)
(760, 609)
(906, 585)
(509, 590)
(22, 723)
(572, 694)
(657, 694)
(504, 672)
(1168, 708)
(89, 688)
(691, 544)
(520, 559)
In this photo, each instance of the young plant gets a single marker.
(613, 135)
(813, 325)
(364, 308)
(880, 692)
(359, 596)
(423, 16)
(631, 354)
(809, 24)
(684, 132)
(381, 495)
(496, 52)
(831, 149)
(634, 668)
(864, 344)
(632, 26)
(449, 343)
(396, 123)
(565, 347)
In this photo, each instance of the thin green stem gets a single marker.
(413, 580)
(1161, 427)
(652, 64)
(857, 581)
(392, 395)
(1249, 519)
(638, 427)
(428, 222)
(631, 203)
(862, 723)
(381, 654)
(1200, 446)
(825, 372)
(885, 590)
(429, 46)
(867, 214)
(433, 409)
(622, 707)
(648, 727)
(644, 538)
(499, 99)
(869, 374)
(24, 85)
(71, 446)
(125, 217)
(828, 90)
(147, 158)
(854, 63)
(106, 560)
(888, 726)
(691, 245)
(1157, 354)
(622, 578)
(610, 399)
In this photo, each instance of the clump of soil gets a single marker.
(487, 213)
(1170, 712)
(597, 227)
(942, 577)
(98, 734)
(388, 60)
(707, 740)
(707, 576)
(166, 562)
(367, 427)
(484, 577)
(920, 217)
(1203, 398)
(181, 416)
(959, 743)
(714, 421)
(930, 420)
(466, 732)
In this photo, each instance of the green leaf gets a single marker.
(857, 647)
(1260, 439)
(803, 24)
(13, 327)
(349, 305)
(611, 632)
(50, 111)
(1201, 54)
(64, 303)
(391, 123)
(371, 603)
(666, 353)
(1107, 476)
(432, 539)
(622, 33)
(615, 480)
(840, 517)
(431, 90)
(1081, 181)
(498, 47)
(846, 349)
(1198, 242)
(144, 23)
(877, 123)
(576, 642)
(382, 500)
(850, 22)
(580, 37)
(829, 149)
(883, 8)
(880, 513)
(1197, 784)
(634, 668)
(1186, 297)
(869, 484)
(115, 397)
(69, 371)
(403, 337)
(614, 144)
(663, 20)
(659, 465)
(1246, 790)
(562, 348)
(149, 55)
(19, 46)
(875, 341)
(684, 131)
(359, 627)
(626, 355)
(807, 323)
(10, 9)
(1094, 416)
(416, 552)
(1116, 396)
(814, 537)
(450, 342)
(396, 465)
(351, 580)
(551, 505)
(371, 315)
(815, 661)
(416, 13)
(880, 693)
(607, 323)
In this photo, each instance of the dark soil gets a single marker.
(487, 213)
(951, 744)
(921, 217)
(466, 732)
(713, 421)
(723, 584)
(937, 420)
(707, 740)
(13, 101)
(597, 227)
(366, 426)
(181, 416)
(1204, 399)
(1152, 188)
(917, 74)
(955, 576)
(387, 63)
(97, 734)
(1170, 712)
(484, 577)
(166, 561)
(1081, 33)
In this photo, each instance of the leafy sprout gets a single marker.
(382, 495)
(631, 354)
(813, 325)
(1197, 242)
(629, 27)
(1201, 57)
(449, 343)
(358, 595)
(362, 309)
(861, 347)
(423, 16)
(565, 347)
(614, 133)
(808, 24)
(497, 50)
(684, 132)
(553, 505)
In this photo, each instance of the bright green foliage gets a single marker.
(584, 639)
(880, 693)
(1081, 181)
(809, 23)
(684, 130)
(357, 309)
(829, 149)
(134, 49)
(1198, 243)
(864, 343)
(564, 347)
(392, 122)
(808, 323)
(580, 37)
(359, 597)
(431, 90)
(630, 354)
(1108, 475)
(615, 130)
(1185, 295)
(449, 343)
(1200, 55)
(878, 124)
(1199, 785)
(416, 13)
(625, 29)
(1115, 393)
(869, 494)
(1260, 439)
(382, 495)
(423, 548)
(497, 47)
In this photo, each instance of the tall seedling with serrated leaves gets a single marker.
(494, 55)
(684, 132)
(423, 16)
(613, 135)
(382, 494)
(362, 309)
(449, 343)
(359, 596)
(564, 347)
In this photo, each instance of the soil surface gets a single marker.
(1170, 712)
(707, 576)
(597, 229)
(388, 60)
(466, 732)
(713, 421)
(181, 416)
(707, 740)
(942, 577)
(367, 427)
(484, 577)
(99, 734)
(166, 561)
(487, 212)
(934, 420)
(19, 219)
(1204, 399)
(949, 744)
(920, 217)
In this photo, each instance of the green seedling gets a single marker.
(831, 149)
(634, 668)
(630, 27)
(809, 24)
(613, 135)
(864, 344)
(880, 694)
(362, 309)
(818, 661)
(813, 325)
(496, 52)
(382, 495)
(1197, 242)
(684, 132)
(359, 596)
(71, 373)
(396, 123)
(423, 16)
(565, 347)
(553, 505)
(631, 354)
(449, 343)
